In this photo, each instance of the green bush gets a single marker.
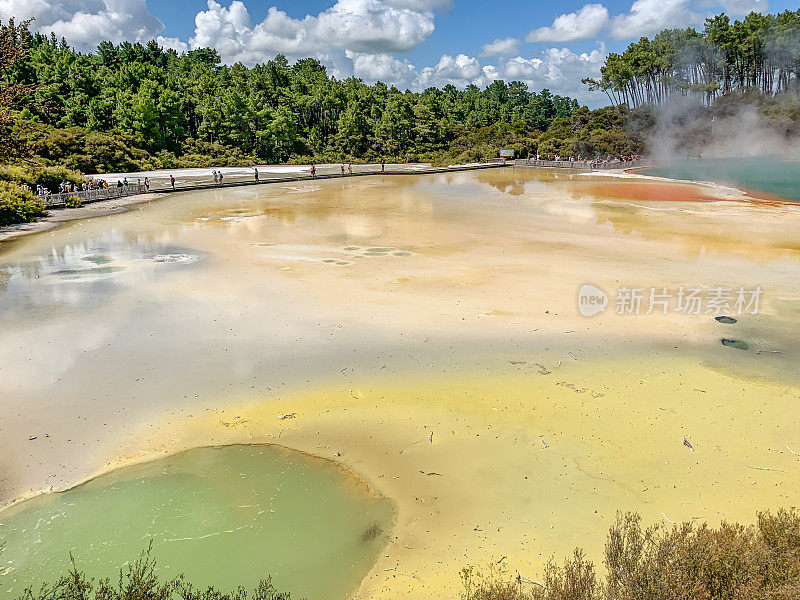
(73, 202)
(17, 205)
(89, 151)
(139, 581)
(45, 175)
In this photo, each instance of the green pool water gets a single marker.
(226, 517)
(772, 175)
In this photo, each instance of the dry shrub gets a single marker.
(683, 561)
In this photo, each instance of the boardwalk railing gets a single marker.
(163, 185)
(584, 165)
(55, 200)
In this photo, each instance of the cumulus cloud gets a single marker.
(585, 23)
(647, 17)
(505, 47)
(85, 23)
(460, 71)
(382, 67)
(362, 26)
(171, 43)
(740, 8)
(558, 69)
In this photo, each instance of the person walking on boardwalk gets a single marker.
(172, 181)
(255, 172)
(313, 171)
(214, 174)
(220, 176)
(350, 168)
(146, 184)
(342, 168)
(383, 165)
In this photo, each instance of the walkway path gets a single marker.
(164, 186)
(582, 165)
(102, 207)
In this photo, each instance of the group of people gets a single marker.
(597, 160)
(70, 187)
(219, 177)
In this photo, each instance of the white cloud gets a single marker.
(585, 23)
(505, 47)
(558, 69)
(172, 43)
(363, 26)
(647, 17)
(382, 67)
(85, 23)
(739, 8)
(460, 71)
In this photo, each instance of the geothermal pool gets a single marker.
(425, 333)
(771, 176)
(225, 517)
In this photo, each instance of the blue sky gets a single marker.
(409, 43)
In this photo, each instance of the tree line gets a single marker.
(142, 98)
(760, 52)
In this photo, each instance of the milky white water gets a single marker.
(425, 330)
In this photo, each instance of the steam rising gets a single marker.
(737, 125)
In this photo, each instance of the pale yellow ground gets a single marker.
(464, 457)
(457, 379)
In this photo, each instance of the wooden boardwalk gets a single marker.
(582, 165)
(391, 170)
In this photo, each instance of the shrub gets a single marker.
(45, 175)
(139, 581)
(17, 205)
(89, 151)
(73, 202)
(677, 562)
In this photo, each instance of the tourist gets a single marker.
(255, 172)
(125, 181)
(350, 168)
(383, 165)
(342, 168)
(220, 177)
(146, 184)
(172, 181)
(313, 171)
(214, 174)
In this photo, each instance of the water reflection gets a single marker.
(87, 271)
